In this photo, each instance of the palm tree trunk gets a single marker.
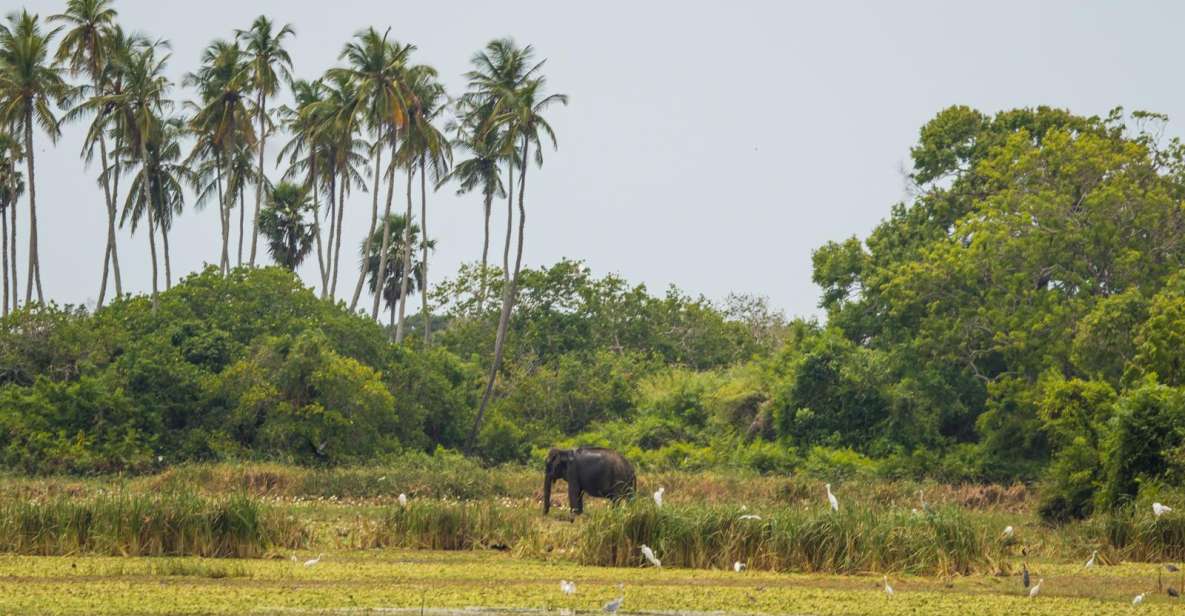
(151, 234)
(374, 219)
(488, 392)
(424, 320)
(404, 253)
(485, 252)
(337, 252)
(164, 236)
(259, 181)
(311, 183)
(224, 258)
(34, 260)
(111, 258)
(4, 252)
(383, 254)
(16, 281)
(241, 216)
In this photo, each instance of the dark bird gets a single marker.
(1173, 592)
(1025, 575)
(1171, 567)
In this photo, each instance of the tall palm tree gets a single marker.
(222, 120)
(392, 285)
(29, 84)
(158, 187)
(11, 188)
(376, 66)
(240, 173)
(84, 50)
(337, 132)
(283, 223)
(141, 106)
(517, 106)
(309, 153)
(425, 146)
(267, 56)
(481, 170)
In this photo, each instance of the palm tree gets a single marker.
(346, 153)
(140, 107)
(426, 146)
(240, 172)
(266, 55)
(11, 188)
(222, 121)
(289, 236)
(375, 66)
(84, 50)
(517, 104)
(29, 82)
(392, 287)
(158, 187)
(480, 170)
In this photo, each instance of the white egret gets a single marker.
(658, 496)
(750, 516)
(831, 499)
(402, 499)
(614, 605)
(1008, 532)
(1138, 599)
(649, 554)
(1090, 562)
(1159, 509)
(568, 588)
(888, 589)
(738, 566)
(312, 561)
(1036, 589)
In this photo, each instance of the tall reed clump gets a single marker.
(1128, 534)
(123, 524)
(941, 541)
(455, 525)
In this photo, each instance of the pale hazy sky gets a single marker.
(711, 145)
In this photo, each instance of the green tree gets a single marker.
(289, 236)
(268, 62)
(11, 187)
(392, 287)
(29, 85)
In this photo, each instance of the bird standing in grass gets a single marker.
(658, 496)
(831, 499)
(568, 588)
(888, 589)
(1138, 599)
(738, 566)
(614, 605)
(1024, 577)
(312, 561)
(1034, 591)
(402, 499)
(1173, 592)
(1008, 532)
(1159, 509)
(1090, 561)
(649, 554)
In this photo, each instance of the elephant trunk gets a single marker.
(547, 481)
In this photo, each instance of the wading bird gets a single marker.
(658, 496)
(402, 499)
(568, 588)
(649, 554)
(1090, 561)
(1173, 592)
(1024, 576)
(1008, 532)
(888, 589)
(831, 499)
(749, 516)
(614, 605)
(1139, 598)
(1159, 509)
(1171, 568)
(312, 561)
(1034, 591)
(738, 566)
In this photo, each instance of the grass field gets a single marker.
(359, 581)
(228, 539)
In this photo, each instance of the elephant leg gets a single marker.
(575, 497)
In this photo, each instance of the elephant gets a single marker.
(595, 471)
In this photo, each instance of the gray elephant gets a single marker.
(595, 471)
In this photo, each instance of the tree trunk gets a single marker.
(374, 219)
(485, 251)
(259, 181)
(311, 183)
(151, 233)
(504, 316)
(4, 252)
(111, 256)
(404, 254)
(337, 252)
(224, 259)
(242, 210)
(424, 320)
(164, 236)
(16, 281)
(34, 260)
(383, 253)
